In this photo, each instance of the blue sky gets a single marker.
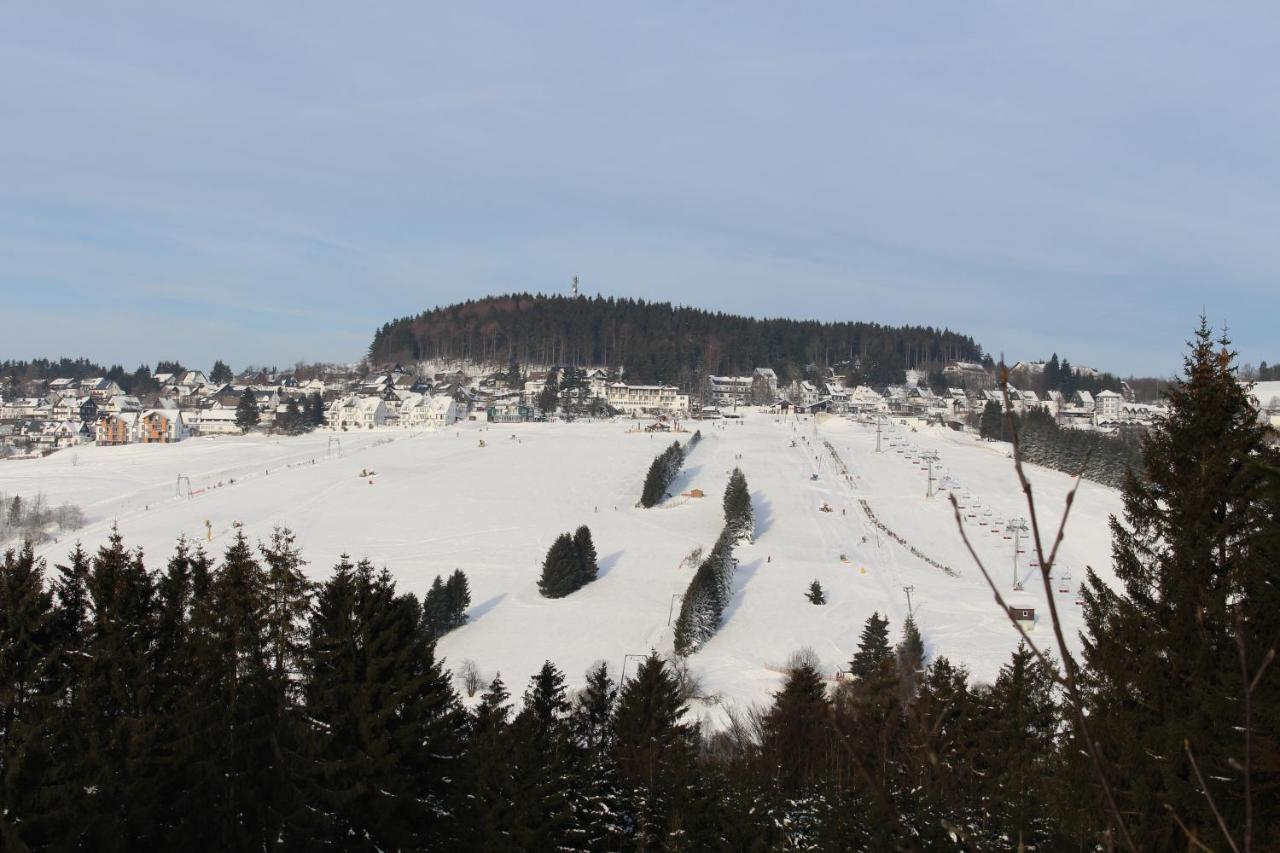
(269, 182)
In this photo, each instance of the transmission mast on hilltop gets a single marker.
(575, 285)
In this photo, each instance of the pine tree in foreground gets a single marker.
(815, 594)
(1171, 650)
(911, 649)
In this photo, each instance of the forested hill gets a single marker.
(658, 341)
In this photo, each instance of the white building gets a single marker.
(1106, 406)
(357, 413)
(648, 399)
(215, 421)
(442, 411)
(730, 390)
(161, 426)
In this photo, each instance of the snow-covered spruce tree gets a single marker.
(815, 594)
(600, 820)
(738, 516)
(706, 597)
(662, 473)
(586, 551)
(654, 747)
(1173, 646)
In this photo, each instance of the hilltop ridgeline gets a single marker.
(661, 342)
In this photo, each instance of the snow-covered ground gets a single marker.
(437, 501)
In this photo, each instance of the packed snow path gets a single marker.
(433, 502)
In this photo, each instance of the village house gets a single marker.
(1107, 406)
(354, 412)
(648, 399)
(730, 390)
(215, 420)
(117, 428)
(161, 426)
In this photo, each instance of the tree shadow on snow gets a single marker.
(741, 577)
(484, 607)
(607, 564)
(684, 480)
(762, 508)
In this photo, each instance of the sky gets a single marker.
(270, 182)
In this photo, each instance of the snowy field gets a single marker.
(437, 501)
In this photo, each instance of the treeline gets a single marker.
(704, 601)
(1102, 458)
(663, 471)
(660, 342)
(1062, 376)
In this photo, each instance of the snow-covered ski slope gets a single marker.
(437, 501)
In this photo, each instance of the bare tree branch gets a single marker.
(1068, 662)
(1187, 832)
(1204, 789)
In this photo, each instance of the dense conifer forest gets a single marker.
(660, 342)
(227, 702)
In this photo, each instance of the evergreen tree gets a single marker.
(435, 610)
(457, 594)
(538, 758)
(599, 818)
(738, 516)
(795, 729)
(815, 594)
(388, 724)
(315, 409)
(873, 647)
(247, 415)
(26, 678)
(586, 551)
(991, 426)
(560, 569)
(490, 805)
(653, 746)
(1195, 557)
(113, 704)
(549, 399)
(1019, 757)
(911, 649)
(221, 373)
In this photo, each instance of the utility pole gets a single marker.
(623, 676)
(908, 590)
(930, 458)
(1019, 527)
(879, 420)
(671, 608)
